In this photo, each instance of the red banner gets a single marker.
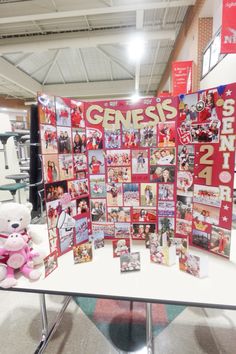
(182, 77)
(228, 31)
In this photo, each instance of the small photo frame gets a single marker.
(130, 262)
(50, 263)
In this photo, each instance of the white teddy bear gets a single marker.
(15, 217)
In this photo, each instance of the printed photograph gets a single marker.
(51, 168)
(148, 194)
(162, 156)
(118, 157)
(97, 186)
(147, 214)
(190, 265)
(98, 240)
(112, 139)
(65, 239)
(50, 263)
(208, 114)
(188, 112)
(186, 158)
(184, 208)
(107, 228)
(120, 247)
(220, 241)
(140, 161)
(143, 231)
(78, 188)
(98, 209)
(80, 164)
(114, 194)
(185, 183)
(206, 213)
(166, 134)
(166, 228)
(53, 239)
(96, 162)
(48, 139)
(64, 140)
(66, 166)
(94, 139)
(83, 253)
(82, 205)
(163, 174)
(118, 214)
(165, 192)
(181, 246)
(148, 136)
(206, 195)
(131, 194)
(53, 210)
(183, 227)
(55, 190)
(77, 114)
(81, 231)
(47, 109)
(79, 141)
(63, 112)
(119, 174)
(159, 254)
(200, 239)
(130, 138)
(204, 133)
(166, 209)
(122, 230)
(130, 262)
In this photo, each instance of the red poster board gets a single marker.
(182, 72)
(228, 30)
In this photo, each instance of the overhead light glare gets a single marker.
(135, 97)
(136, 48)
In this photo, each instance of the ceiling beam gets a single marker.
(139, 26)
(11, 73)
(72, 40)
(97, 11)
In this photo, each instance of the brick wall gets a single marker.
(205, 28)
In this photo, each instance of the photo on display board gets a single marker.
(148, 136)
(186, 158)
(206, 133)
(208, 114)
(80, 164)
(166, 208)
(183, 227)
(79, 141)
(188, 112)
(184, 208)
(166, 134)
(130, 138)
(83, 253)
(48, 139)
(147, 214)
(54, 210)
(118, 157)
(64, 140)
(162, 156)
(120, 247)
(47, 109)
(130, 262)
(98, 240)
(122, 230)
(220, 241)
(107, 228)
(82, 205)
(200, 239)
(66, 167)
(81, 231)
(50, 263)
(162, 174)
(112, 139)
(165, 229)
(53, 239)
(63, 112)
(165, 191)
(142, 231)
(98, 210)
(140, 161)
(119, 174)
(114, 194)
(65, 239)
(206, 213)
(118, 214)
(131, 194)
(94, 138)
(96, 162)
(78, 188)
(97, 186)
(77, 112)
(55, 190)
(51, 168)
(207, 195)
(148, 194)
(185, 183)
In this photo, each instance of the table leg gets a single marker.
(5, 156)
(48, 333)
(149, 334)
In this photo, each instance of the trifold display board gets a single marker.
(160, 169)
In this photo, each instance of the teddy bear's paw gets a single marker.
(3, 272)
(8, 283)
(35, 274)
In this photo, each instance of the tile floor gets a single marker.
(194, 331)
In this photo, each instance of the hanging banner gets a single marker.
(228, 31)
(182, 72)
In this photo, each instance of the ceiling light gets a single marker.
(135, 97)
(136, 48)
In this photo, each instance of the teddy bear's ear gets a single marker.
(29, 206)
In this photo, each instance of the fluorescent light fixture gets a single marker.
(136, 48)
(135, 97)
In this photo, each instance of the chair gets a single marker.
(13, 188)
